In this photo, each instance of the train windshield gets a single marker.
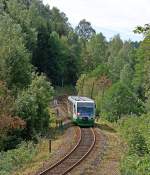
(85, 109)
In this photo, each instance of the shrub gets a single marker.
(135, 130)
(135, 165)
(137, 144)
(119, 101)
(32, 105)
(15, 159)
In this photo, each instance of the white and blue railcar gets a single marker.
(81, 110)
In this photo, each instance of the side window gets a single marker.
(74, 106)
(70, 107)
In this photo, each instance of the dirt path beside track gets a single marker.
(106, 156)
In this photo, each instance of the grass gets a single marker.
(41, 156)
(16, 158)
(110, 163)
(60, 145)
(106, 125)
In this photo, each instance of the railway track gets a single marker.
(84, 146)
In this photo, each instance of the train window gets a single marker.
(74, 109)
(70, 107)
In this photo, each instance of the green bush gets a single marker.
(15, 159)
(32, 105)
(135, 165)
(119, 101)
(137, 144)
(135, 130)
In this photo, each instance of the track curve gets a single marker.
(84, 146)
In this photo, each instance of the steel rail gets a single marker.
(86, 141)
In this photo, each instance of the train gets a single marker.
(81, 110)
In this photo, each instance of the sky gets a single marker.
(107, 16)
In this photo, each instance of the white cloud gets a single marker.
(116, 15)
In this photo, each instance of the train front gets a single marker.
(85, 113)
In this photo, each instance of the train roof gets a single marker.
(80, 99)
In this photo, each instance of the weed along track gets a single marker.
(84, 146)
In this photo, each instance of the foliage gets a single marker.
(94, 53)
(137, 144)
(85, 30)
(144, 30)
(120, 55)
(18, 11)
(115, 73)
(32, 105)
(134, 165)
(100, 70)
(80, 84)
(15, 64)
(60, 58)
(119, 100)
(16, 158)
(114, 46)
(59, 22)
(136, 132)
(73, 62)
(6, 100)
(35, 25)
(94, 84)
(126, 75)
(9, 124)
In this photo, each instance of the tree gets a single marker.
(15, 66)
(40, 55)
(21, 15)
(57, 59)
(145, 30)
(119, 100)
(59, 22)
(114, 46)
(80, 84)
(101, 84)
(9, 123)
(32, 106)
(73, 60)
(124, 56)
(84, 30)
(126, 75)
(50, 55)
(141, 81)
(97, 47)
(94, 52)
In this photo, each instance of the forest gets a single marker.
(40, 50)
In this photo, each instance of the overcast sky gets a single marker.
(107, 16)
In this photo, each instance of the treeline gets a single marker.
(31, 52)
(44, 38)
(113, 77)
(38, 49)
(118, 78)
